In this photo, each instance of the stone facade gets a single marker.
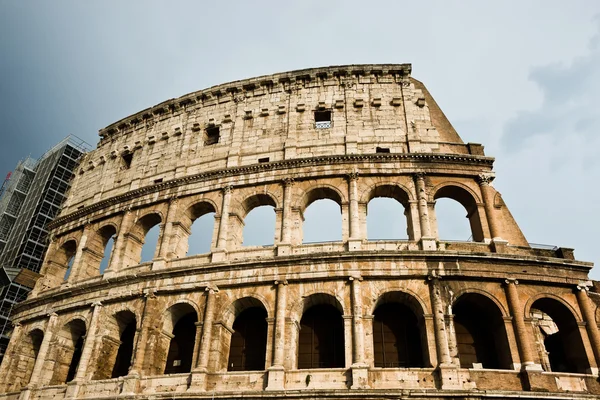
(418, 318)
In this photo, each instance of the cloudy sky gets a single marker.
(521, 77)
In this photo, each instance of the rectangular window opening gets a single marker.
(382, 150)
(159, 180)
(323, 119)
(263, 160)
(127, 158)
(212, 135)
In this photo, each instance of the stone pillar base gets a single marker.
(197, 381)
(428, 243)
(449, 378)
(131, 384)
(25, 394)
(72, 390)
(499, 245)
(354, 244)
(159, 263)
(532, 367)
(276, 378)
(218, 256)
(360, 376)
(284, 249)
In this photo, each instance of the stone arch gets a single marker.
(468, 199)
(67, 350)
(18, 377)
(136, 237)
(319, 192)
(395, 192)
(244, 341)
(485, 293)
(314, 298)
(230, 311)
(321, 336)
(59, 261)
(178, 338)
(399, 331)
(183, 229)
(481, 336)
(244, 209)
(552, 296)
(560, 344)
(93, 252)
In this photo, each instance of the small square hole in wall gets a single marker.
(382, 150)
(127, 158)
(323, 119)
(212, 135)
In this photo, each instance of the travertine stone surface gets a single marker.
(386, 138)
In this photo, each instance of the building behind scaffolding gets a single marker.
(30, 197)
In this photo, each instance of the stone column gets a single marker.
(9, 357)
(413, 222)
(590, 319)
(284, 248)
(439, 323)
(355, 238)
(76, 266)
(276, 377)
(427, 240)
(167, 234)
(88, 346)
(139, 351)
(523, 343)
(485, 181)
(43, 352)
(207, 325)
(221, 250)
(120, 245)
(360, 373)
(198, 378)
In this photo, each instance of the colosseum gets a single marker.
(421, 317)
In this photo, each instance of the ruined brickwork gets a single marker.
(416, 318)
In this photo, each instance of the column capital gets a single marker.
(485, 178)
(357, 277)
(289, 181)
(173, 199)
(227, 189)
(211, 289)
(150, 293)
(419, 175)
(352, 176)
(508, 281)
(96, 304)
(583, 288)
(283, 282)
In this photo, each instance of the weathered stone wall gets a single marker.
(175, 177)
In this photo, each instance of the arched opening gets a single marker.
(182, 318)
(106, 237)
(65, 257)
(396, 337)
(451, 226)
(388, 214)
(69, 347)
(17, 378)
(259, 227)
(322, 216)
(148, 232)
(248, 341)
(127, 327)
(201, 220)
(560, 345)
(480, 333)
(321, 338)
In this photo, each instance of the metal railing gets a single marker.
(323, 125)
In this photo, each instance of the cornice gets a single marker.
(275, 165)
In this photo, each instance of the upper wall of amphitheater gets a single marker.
(373, 109)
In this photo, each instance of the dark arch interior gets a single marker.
(77, 331)
(480, 333)
(396, 337)
(181, 348)
(564, 347)
(248, 341)
(321, 338)
(36, 340)
(127, 327)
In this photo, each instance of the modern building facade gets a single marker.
(31, 197)
(419, 317)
